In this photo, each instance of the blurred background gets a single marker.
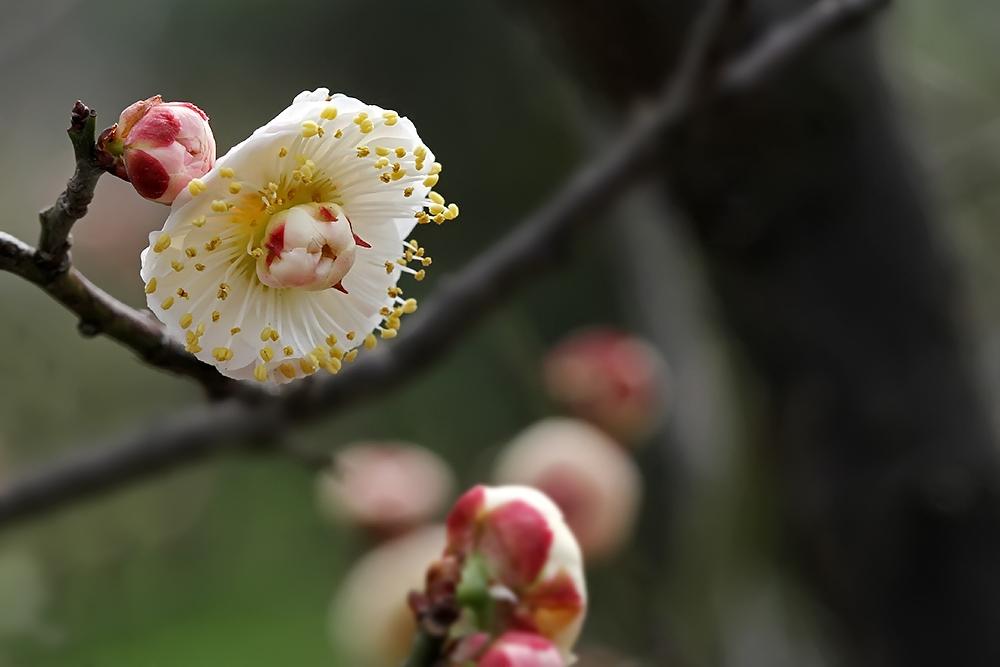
(727, 537)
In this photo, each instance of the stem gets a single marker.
(426, 650)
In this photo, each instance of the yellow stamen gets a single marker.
(310, 129)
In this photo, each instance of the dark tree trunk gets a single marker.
(817, 237)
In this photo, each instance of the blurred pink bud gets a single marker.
(370, 621)
(159, 147)
(594, 482)
(610, 378)
(531, 562)
(522, 649)
(386, 488)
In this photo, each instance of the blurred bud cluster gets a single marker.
(507, 570)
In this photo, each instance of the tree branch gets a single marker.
(49, 267)
(532, 247)
(71, 205)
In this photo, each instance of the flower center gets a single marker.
(308, 246)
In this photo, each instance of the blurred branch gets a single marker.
(533, 246)
(867, 420)
(49, 268)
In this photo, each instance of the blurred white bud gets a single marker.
(594, 482)
(371, 622)
(386, 488)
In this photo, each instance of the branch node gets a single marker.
(88, 329)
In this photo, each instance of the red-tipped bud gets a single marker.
(159, 147)
(522, 565)
(522, 649)
(609, 378)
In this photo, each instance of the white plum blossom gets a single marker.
(285, 256)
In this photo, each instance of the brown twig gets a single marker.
(532, 247)
(49, 267)
(71, 205)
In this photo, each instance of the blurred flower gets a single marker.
(521, 568)
(159, 147)
(387, 488)
(592, 480)
(370, 620)
(520, 649)
(610, 378)
(285, 256)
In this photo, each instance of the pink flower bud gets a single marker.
(528, 558)
(309, 246)
(159, 147)
(594, 482)
(387, 488)
(522, 649)
(609, 378)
